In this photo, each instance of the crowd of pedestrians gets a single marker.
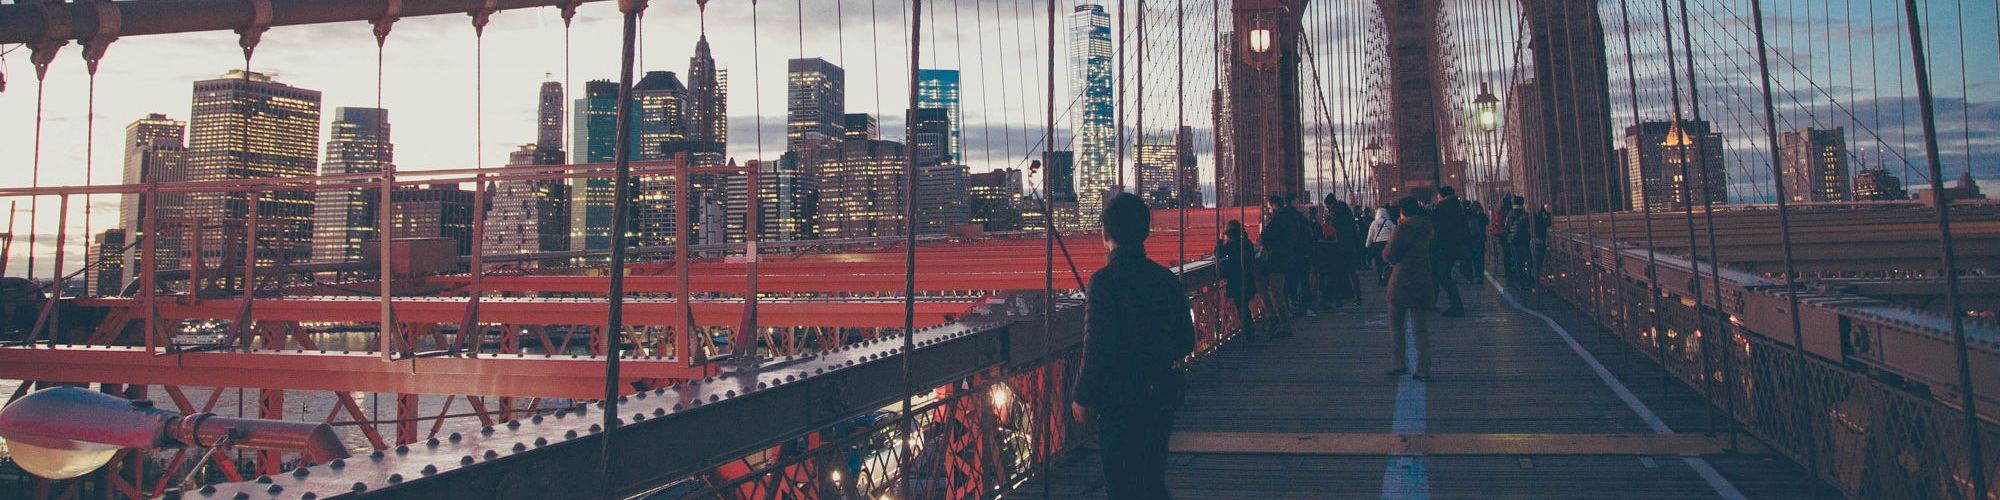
(1305, 259)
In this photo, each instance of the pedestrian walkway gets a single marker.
(1525, 401)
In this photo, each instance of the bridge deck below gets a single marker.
(1512, 410)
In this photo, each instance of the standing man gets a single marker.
(1282, 258)
(1135, 327)
(1448, 246)
(1518, 234)
(1411, 291)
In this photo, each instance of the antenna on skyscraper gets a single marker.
(702, 6)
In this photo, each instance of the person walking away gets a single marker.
(1378, 238)
(1339, 281)
(1236, 256)
(1135, 327)
(1475, 242)
(1279, 262)
(1520, 235)
(1543, 219)
(1447, 219)
(1411, 287)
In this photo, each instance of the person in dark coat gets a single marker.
(1412, 285)
(1448, 246)
(1520, 235)
(1340, 249)
(1281, 262)
(1236, 258)
(1136, 326)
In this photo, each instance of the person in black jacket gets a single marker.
(1136, 326)
(1235, 257)
(1448, 246)
(1283, 259)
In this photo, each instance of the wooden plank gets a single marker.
(1448, 444)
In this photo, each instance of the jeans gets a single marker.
(1441, 266)
(1417, 320)
(1278, 303)
(1133, 444)
(1475, 261)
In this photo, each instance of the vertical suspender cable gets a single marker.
(1118, 123)
(1695, 142)
(1975, 456)
(909, 252)
(1714, 251)
(620, 203)
(1646, 205)
(1785, 220)
(1181, 146)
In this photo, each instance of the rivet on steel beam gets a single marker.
(541, 441)
(300, 472)
(596, 428)
(309, 496)
(375, 455)
(570, 435)
(264, 479)
(677, 407)
(537, 419)
(713, 398)
(430, 469)
(659, 412)
(241, 495)
(729, 394)
(513, 424)
(465, 460)
(337, 463)
(208, 489)
(622, 399)
(402, 449)
(433, 442)
(454, 437)
(358, 486)
(486, 430)
(490, 454)
(274, 489)
(395, 478)
(637, 417)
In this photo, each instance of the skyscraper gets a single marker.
(939, 88)
(930, 135)
(435, 211)
(859, 126)
(659, 114)
(1815, 164)
(787, 197)
(708, 96)
(1061, 174)
(345, 219)
(1655, 155)
(528, 216)
(246, 125)
(154, 152)
(593, 138)
(996, 199)
(860, 189)
(943, 197)
(1090, 58)
(549, 117)
(815, 99)
(1166, 169)
(106, 275)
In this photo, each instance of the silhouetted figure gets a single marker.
(1378, 238)
(1519, 236)
(1282, 261)
(1543, 219)
(1339, 249)
(1236, 256)
(1412, 287)
(1136, 325)
(1448, 246)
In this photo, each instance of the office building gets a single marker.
(105, 273)
(1662, 158)
(860, 189)
(995, 199)
(1061, 175)
(246, 125)
(549, 117)
(939, 88)
(1090, 61)
(593, 139)
(943, 197)
(435, 211)
(527, 216)
(155, 151)
(859, 126)
(345, 219)
(787, 198)
(1815, 165)
(1877, 184)
(930, 135)
(708, 97)
(815, 100)
(1166, 170)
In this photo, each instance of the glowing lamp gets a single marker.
(1374, 151)
(1486, 109)
(1260, 40)
(65, 432)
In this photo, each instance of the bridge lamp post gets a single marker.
(65, 432)
(1486, 115)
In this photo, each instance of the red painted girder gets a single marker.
(451, 310)
(503, 375)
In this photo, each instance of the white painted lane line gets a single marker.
(1701, 466)
(1408, 477)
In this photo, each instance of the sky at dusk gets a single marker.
(431, 80)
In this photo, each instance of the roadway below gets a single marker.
(1527, 400)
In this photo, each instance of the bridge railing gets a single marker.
(1874, 425)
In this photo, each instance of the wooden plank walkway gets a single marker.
(1498, 372)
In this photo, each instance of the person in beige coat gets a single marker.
(1412, 287)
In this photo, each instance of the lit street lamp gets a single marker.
(65, 432)
(1486, 109)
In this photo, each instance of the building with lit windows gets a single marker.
(155, 151)
(1166, 170)
(344, 220)
(1815, 164)
(1090, 59)
(246, 125)
(1877, 184)
(930, 135)
(787, 199)
(1060, 174)
(106, 274)
(939, 88)
(527, 216)
(1661, 158)
(943, 197)
(435, 211)
(995, 199)
(593, 139)
(549, 117)
(708, 96)
(860, 189)
(815, 102)
(859, 126)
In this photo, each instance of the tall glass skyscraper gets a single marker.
(939, 88)
(1090, 58)
(815, 103)
(345, 219)
(246, 125)
(593, 135)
